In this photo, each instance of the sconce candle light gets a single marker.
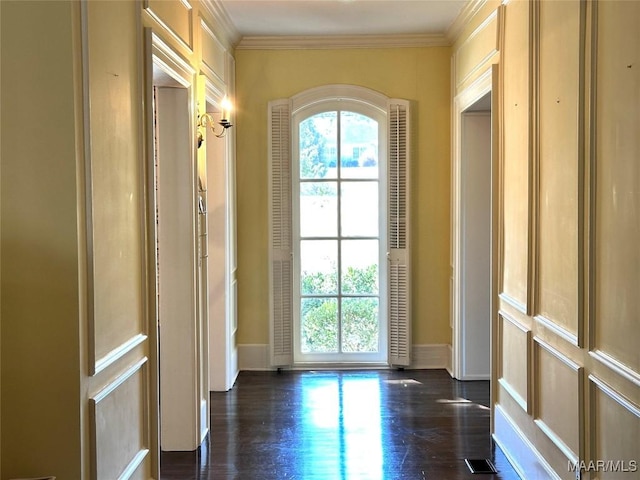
(206, 119)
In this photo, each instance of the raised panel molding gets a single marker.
(114, 181)
(559, 166)
(618, 367)
(515, 180)
(559, 417)
(514, 340)
(175, 17)
(213, 52)
(117, 353)
(513, 303)
(559, 330)
(615, 429)
(119, 416)
(614, 202)
(477, 49)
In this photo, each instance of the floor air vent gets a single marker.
(480, 465)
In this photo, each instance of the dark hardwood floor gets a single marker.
(343, 425)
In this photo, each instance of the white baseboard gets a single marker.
(450, 361)
(522, 455)
(256, 357)
(430, 356)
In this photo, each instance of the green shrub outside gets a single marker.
(319, 315)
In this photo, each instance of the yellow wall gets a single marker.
(419, 74)
(40, 313)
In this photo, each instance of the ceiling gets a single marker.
(255, 18)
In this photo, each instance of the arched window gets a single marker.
(339, 227)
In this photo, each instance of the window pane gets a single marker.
(319, 325)
(359, 209)
(318, 267)
(360, 324)
(358, 146)
(318, 146)
(360, 266)
(318, 209)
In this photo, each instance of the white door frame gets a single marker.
(464, 100)
(183, 384)
(218, 190)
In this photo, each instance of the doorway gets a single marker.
(472, 232)
(182, 343)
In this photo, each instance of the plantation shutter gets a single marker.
(398, 231)
(281, 267)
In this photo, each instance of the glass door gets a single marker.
(340, 312)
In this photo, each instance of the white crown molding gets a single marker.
(217, 11)
(463, 18)
(341, 41)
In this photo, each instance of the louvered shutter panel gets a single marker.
(398, 231)
(281, 267)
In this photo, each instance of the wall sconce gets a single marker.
(206, 120)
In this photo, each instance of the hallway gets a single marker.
(386, 424)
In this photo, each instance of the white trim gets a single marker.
(111, 387)
(430, 356)
(187, 44)
(255, 357)
(523, 456)
(470, 95)
(133, 465)
(171, 62)
(617, 366)
(216, 10)
(449, 366)
(556, 353)
(514, 394)
(301, 42)
(470, 10)
(557, 441)
(517, 304)
(337, 92)
(559, 330)
(614, 395)
(118, 352)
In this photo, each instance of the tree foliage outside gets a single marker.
(319, 315)
(318, 138)
(312, 150)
